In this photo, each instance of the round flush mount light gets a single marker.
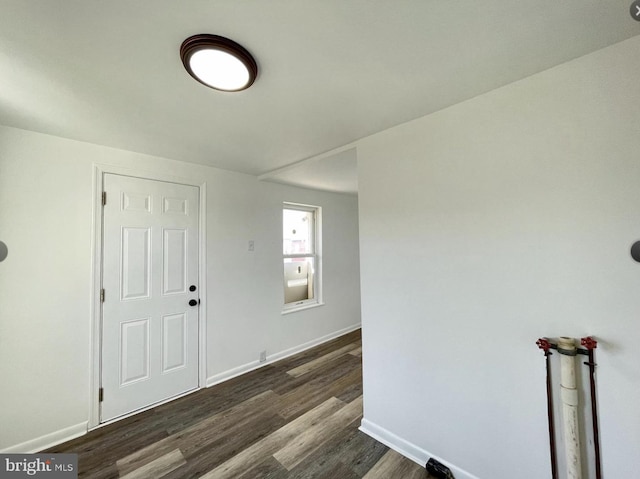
(218, 62)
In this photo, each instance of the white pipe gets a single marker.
(569, 396)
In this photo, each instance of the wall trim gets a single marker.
(408, 449)
(272, 358)
(48, 440)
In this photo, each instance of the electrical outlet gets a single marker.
(263, 356)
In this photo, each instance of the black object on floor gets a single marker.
(437, 470)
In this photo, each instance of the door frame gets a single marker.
(99, 170)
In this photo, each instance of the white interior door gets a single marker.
(150, 277)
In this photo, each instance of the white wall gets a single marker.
(486, 226)
(46, 205)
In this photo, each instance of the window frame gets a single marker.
(315, 254)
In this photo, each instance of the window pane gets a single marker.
(298, 279)
(297, 232)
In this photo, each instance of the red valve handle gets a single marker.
(543, 344)
(589, 342)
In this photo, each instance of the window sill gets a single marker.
(302, 307)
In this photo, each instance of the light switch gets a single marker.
(251, 245)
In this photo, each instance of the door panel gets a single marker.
(174, 346)
(150, 258)
(134, 351)
(175, 206)
(175, 261)
(135, 263)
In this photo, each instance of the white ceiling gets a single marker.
(331, 71)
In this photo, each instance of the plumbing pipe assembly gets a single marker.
(545, 345)
(569, 397)
(590, 344)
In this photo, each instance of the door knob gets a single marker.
(192, 302)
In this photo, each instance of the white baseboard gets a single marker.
(48, 440)
(272, 358)
(408, 449)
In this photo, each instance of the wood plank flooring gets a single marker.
(294, 419)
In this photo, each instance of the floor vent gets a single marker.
(438, 471)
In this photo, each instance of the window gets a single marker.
(301, 256)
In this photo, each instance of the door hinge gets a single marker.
(102, 295)
(100, 394)
(104, 198)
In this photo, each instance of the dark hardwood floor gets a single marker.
(297, 418)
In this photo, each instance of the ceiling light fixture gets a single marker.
(218, 62)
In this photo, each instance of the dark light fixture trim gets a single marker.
(204, 41)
